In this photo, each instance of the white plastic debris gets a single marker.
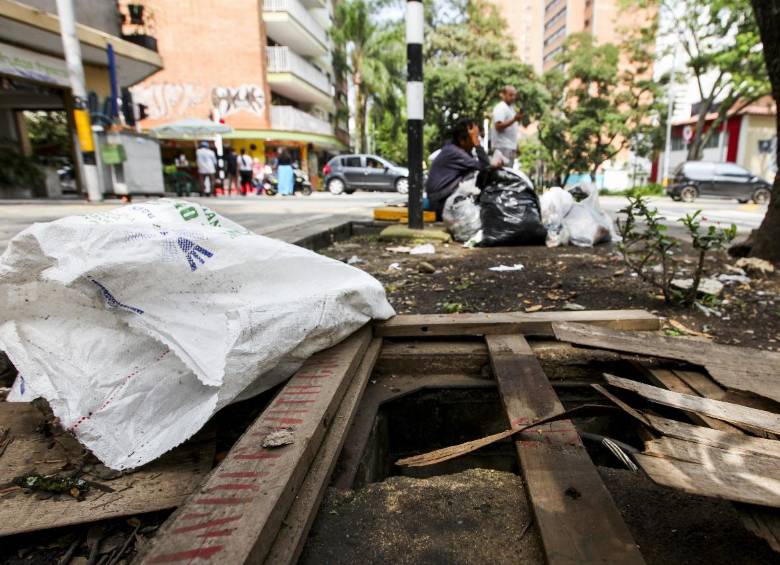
(398, 249)
(573, 307)
(354, 260)
(503, 268)
(741, 279)
(394, 267)
(424, 249)
(138, 324)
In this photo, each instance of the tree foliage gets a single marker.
(601, 106)
(720, 42)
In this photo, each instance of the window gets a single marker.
(731, 170)
(555, 20)
(374, 163)
(350, 162)
(698, 170)
(551, 55)
(555, 37)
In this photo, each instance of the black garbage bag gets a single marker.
(510, 211)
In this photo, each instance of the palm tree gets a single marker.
(372, 55)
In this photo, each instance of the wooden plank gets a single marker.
(576, 516)
(534, 323)
(731, 441)
(739, 368)
(426, 357)
(748, 482)
(762, 521)
(162, 484)
(292, 535)
(669, 380)
(235, 515)
(733, 413)
(712, 456)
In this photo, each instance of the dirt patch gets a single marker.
(671, 526)
(557, 278)
(477, 516)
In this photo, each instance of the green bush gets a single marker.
(18, 171)
(652, 189)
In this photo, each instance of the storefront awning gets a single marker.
(29, 28)
(271, 135)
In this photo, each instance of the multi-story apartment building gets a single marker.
(34, 80)
(262, 67)
(526, 26)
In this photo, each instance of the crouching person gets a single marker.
(454, 162)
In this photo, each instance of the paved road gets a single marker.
(261, 214)
(265, 214)
(745, 216)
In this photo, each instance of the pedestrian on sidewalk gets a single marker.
(245, 171)
(285, 174)
(207, 168)
(505, 125)
(231, 168)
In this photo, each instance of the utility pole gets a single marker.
(86, 139)
(669, 113)
(415, 25)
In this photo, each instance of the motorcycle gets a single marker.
(302, 184)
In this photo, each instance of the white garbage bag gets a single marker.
(588, 224)
(555, 204)
(461, 213)
(138, 324)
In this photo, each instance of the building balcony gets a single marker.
(289, 118)
(292, 76)
(289, 23)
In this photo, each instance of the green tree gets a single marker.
(468, 59)
(721, 44)
(370, 54)
(600, 105)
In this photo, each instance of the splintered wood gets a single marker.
(235, 516)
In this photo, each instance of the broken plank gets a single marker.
(292, 534)
(575, 514)
(731, 441)
(160, 485)
(669, 380)
(739, 368)
(731, 482)
(534, 323)
(235, 515)
(732, 413)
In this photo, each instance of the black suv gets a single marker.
(348, 173)
(720, 180)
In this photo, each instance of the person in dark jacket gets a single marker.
(454, 162)
(231, 168)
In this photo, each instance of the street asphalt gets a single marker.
(265, 214)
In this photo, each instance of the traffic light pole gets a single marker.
(86, 139)
(415, 23)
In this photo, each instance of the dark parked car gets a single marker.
(348, 173)
(720, 180)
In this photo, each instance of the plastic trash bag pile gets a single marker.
(138, 324)
(510, 211)
(461, 212)
(583, 223)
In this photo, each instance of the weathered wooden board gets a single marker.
(731, 441)
(292, 534)
(739, 368)
(160, 485)
(748, 481)
(236, 514)
(534, 323)
(671, 381)
(427, 357)
(576, 516)
(733, 413)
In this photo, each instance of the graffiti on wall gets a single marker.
(164, 99)
(228, 100)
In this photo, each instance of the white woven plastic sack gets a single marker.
(138, 324)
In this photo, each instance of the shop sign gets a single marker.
(24, 63)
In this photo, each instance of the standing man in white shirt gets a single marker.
(505, 125)
(207, 168)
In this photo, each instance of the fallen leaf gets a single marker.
(534, 308)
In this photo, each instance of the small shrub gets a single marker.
(651, 253)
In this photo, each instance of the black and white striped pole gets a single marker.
(415, 23)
